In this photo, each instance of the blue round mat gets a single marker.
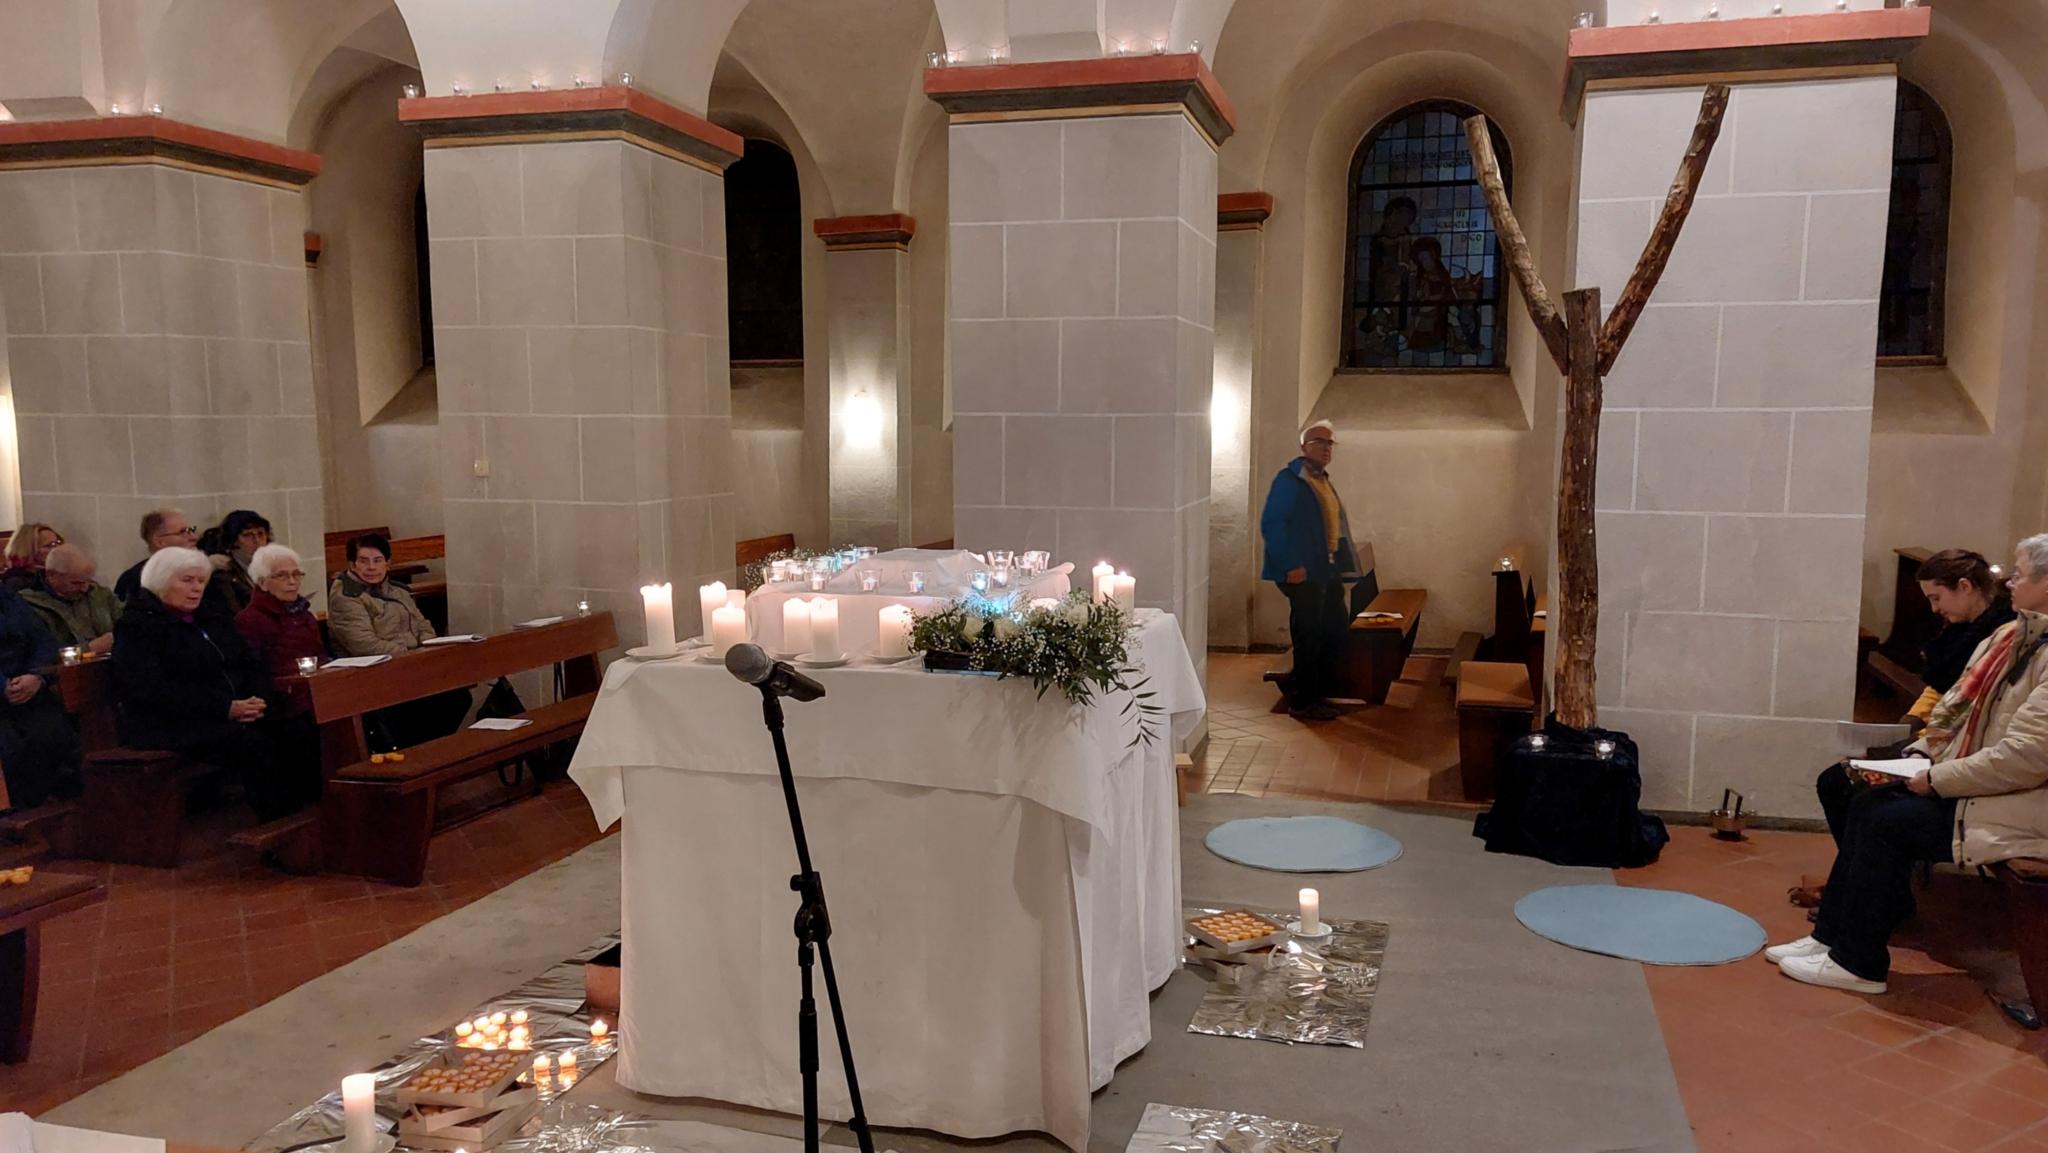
(1302, 844)
(1654, 926)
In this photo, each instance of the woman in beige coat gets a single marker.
(1984, 799)
(368, 615)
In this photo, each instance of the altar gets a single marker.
(1003, 874)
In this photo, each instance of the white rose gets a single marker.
(1076, 612)
(970, 625)
(1007, 628)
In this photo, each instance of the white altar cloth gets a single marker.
(1003, 874)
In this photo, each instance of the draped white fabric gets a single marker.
(1003, 875)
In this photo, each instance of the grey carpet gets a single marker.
(1485, 1037)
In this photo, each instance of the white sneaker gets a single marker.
(1823, 971)
(1803, 947)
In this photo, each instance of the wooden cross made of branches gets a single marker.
(1585, 349)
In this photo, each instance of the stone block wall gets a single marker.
(157, 337)
(1734, 447)
(580, 331)
(1083, 264)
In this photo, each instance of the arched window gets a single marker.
(764, 266)
(1909, 313)
(1423, 272)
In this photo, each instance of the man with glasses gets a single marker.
(79, 610)
(1309, 555)
(164, 528)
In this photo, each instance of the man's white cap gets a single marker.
(1325, 425)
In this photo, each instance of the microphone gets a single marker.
(752, 664)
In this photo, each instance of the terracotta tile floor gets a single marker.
(1764, 1064)
(171, 954)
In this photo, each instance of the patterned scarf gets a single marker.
(1955, 728)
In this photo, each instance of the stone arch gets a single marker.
(244, 66)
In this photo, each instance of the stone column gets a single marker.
(868, 285)
(580, 339)
(154, 284)
(1235, 491)
(1083, 261)
(1735, 443)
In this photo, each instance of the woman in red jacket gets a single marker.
(280, 627)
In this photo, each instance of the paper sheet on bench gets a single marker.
(1541, 614)
(358, 662)
(1378, 616)
(501, 724)
(1904, 768)
(456, 639)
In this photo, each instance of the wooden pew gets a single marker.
(132, 810)
(1376, 648)
(1496, 708)
(23, 909)
(376, 820)
(758, 549)
(2026, 886)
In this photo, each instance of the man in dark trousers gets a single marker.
(1310, 556)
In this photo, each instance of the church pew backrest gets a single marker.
(342, 693)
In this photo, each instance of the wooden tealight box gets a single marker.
(469, 1101)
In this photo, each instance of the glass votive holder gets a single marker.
(916, 581)
(1002, 578)
(582, 608)
(1537, 741)
(308, 666)
(1603, 748)
(870, 579)
(980, 581)
(1036, 561)
(1507, 564)
(69, 654)
(818, 577)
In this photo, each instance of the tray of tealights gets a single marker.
(1235, 931)
(463, 1080)
(498, 1030)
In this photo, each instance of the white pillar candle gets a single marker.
(736, 598)
(359, 1112)
(825, 629)
(1311, 913)
(893, 631)
(796, 625)
(661, 617)
(710, 598)
(728, 628)
(1125, 587)
(1099, 573)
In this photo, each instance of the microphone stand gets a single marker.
(813, 933)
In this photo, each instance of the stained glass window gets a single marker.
(1424, 272)
(1909, 315)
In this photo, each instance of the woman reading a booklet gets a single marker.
(1982, 799)
(1964, 592)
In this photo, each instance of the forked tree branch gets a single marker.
(1542, 310)
(1628, 308)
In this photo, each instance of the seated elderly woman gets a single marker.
(186, 682)
(1984, 799)
(279, 625)
(27, 550)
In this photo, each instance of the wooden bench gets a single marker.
(756, 550)
(1496, 708)
(2026, 887)
(23, 909)
(132, 810)
(1380, 646)
(1896, 662)
(376, 819)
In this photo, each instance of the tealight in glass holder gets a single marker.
(870, 579)
(818, 577)
(308, 666)
(980, 580)
(916, 581)
(1001, 577)
(69, 654)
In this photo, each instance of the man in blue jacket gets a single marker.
(1309, 555)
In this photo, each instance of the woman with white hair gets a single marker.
(1983, 799)
(279, 625)
(186, 682)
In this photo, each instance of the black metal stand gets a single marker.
(813, 936)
